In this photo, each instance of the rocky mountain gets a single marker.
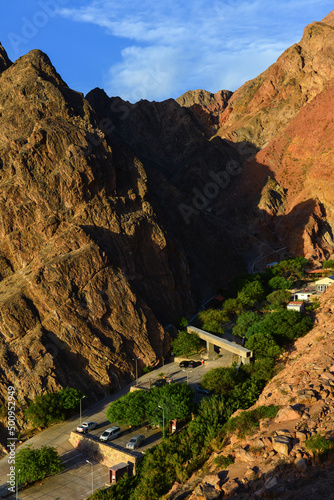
(117, 218)
(88, 274)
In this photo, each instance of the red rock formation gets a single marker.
(264, 106)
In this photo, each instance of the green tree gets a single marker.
(231, 306)
(291, 269)
(221, 380)
(279, 298)
(244, 321)
(175, 399)
(35, 464)
(186, 344)
(69, 397)
(279, 283)
(129, 409)
(250, 294)
(50, 408)
(212, 320)
(328, 264)
(263, 346)
(45, 410)
(283, 326)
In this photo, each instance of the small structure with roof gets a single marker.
(324, 283)
(296, 305)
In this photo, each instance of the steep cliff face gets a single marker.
(87, 272)
(187, 174)
(206, 107)
(264, 106)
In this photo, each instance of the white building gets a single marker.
(324, 283)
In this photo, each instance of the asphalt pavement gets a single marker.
(82, 474)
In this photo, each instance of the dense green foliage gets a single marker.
(328, 264)
(279, 299)
(251, 293)
(279, 283)
(263, 346)
(35, 464)
(283, 326)
(291, 269)
(221, 380)
(244, 321)
(129, 409)
(186, 344)
(212, 320)
(52, 407)
(135, 407)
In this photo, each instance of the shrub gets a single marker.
(319, 445)
(50, 408)
(213, 319)
(223, 462)
(247, 421)
(186, 344)
(35, 464)
(221, 380)
(263, 346)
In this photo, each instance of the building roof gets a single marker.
(326, 281)
(296, 303)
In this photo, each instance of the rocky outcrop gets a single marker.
(206, 107)
(265, 105)
(188, 176)
(88, 274)
(5, 62)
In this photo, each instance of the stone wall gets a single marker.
(105, 453)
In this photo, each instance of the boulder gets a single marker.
(282, 445)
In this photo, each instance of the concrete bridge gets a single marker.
(212, 340)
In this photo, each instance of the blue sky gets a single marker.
(150, 50)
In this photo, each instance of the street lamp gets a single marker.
(80, 407)
(92, 475)
(17, 485)
(136, 360)
(163, 420)
(187, 373)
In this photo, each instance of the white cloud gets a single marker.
(173, 47)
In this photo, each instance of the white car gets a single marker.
(135, 442)
(86, 427)
(111, 433)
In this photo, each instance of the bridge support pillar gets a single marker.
(210, 349)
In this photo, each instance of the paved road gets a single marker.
(75, 482)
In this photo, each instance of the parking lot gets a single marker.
(79, 477)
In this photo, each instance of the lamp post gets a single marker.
(80, 408)
(92, 475)
(186, 371)
(17, 485)
(136, 360)
(163, 420)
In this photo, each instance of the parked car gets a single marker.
(135, 442)
(184, 364)
(87, 426)
(193, 364)
(159, 382)
(111, 433)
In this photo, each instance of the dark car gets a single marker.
(159, 382)
(184, 364)
(193, 364)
